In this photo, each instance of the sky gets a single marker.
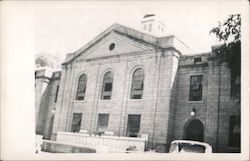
(66, 26)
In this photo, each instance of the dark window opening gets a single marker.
(103, 120)
(111, 46)
(57, 89)
(106, 97)
(137, 84)
(76, 122)
(234, 131)
(107, 86)
(81, 88)
(198, 59)
(133, 125)
(196, 84)
(136, 96)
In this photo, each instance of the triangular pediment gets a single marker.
(113, 44)
(126, 40)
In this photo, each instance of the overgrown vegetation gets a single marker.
(229, 33)
(47, 60)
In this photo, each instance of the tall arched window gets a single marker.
(137, 84)
(107, 86)
(81, 88)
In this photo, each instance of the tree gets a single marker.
(229, 33)
(47, 60)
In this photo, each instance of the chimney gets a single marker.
(152, 25)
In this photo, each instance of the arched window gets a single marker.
(107, 86)
(81, 88)
(137, 84)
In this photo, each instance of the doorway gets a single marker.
(193, 130)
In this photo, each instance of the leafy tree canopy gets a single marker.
(47, 60)
(229, 33)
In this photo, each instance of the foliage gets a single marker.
(230, 52)
(230, 30)
(47, 60)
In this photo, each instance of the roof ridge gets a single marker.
(115, 27)
(131, 32)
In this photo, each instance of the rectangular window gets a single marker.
(103, 120)
(234, 131)
(133, 125)
(57, 89)
(76, 122)
(136, 96)
(196, 84)
(235, 87)
(108, 97)
(198, 59)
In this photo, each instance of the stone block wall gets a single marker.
(216, 106)
(157, 86)
(46, 83)
(165, 106)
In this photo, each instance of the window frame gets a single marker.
(198, 59)
(128, 133)
(73, 126)
(100, 128)
(108, 78)
(135, 81)
(190, 98)
(79, 93)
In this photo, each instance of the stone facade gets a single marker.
(216, 106)
(46, 84)
(164, 108)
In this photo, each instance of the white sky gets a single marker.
(64, 27)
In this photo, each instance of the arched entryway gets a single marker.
(193, 130)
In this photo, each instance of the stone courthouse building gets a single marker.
(139, 82)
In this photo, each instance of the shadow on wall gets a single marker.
(172, 112)
(43, 112)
